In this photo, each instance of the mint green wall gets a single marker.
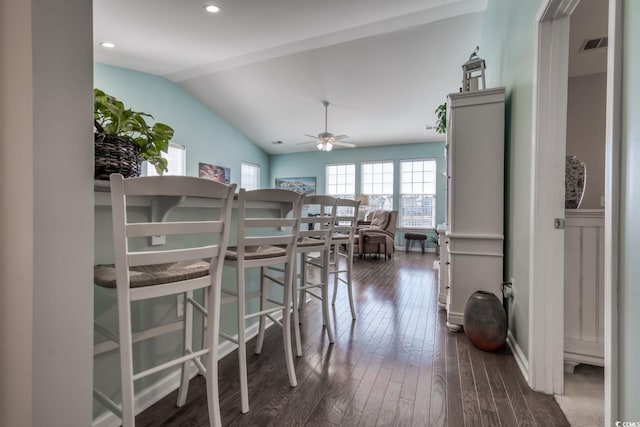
(313, 163)
(208, 139)
(507, 45)
(629, 279)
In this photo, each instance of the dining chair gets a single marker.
(264, 239)
(342, 242)
(191, 259)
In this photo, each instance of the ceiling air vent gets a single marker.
(591, 44)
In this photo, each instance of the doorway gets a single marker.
(583, 388)
(546, 326)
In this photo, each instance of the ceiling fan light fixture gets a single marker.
(326, 140)
(324, 146)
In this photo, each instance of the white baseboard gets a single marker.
(454, 318)
(415, 249)
(160, 389)
(521, 360)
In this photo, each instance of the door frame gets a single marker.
(612, 210)
(546, 250)
(546, 304)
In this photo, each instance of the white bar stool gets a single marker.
(263, 241)
(314, 237)
(140, 274)
(342, 241)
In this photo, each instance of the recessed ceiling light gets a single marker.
(212, 8)
(107, 44)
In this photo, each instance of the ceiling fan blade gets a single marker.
(308, 142)
(340, 137)
(311, 136)
(344, 144)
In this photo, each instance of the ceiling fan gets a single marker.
(326, 140)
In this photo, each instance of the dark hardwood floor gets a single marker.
(396, 365)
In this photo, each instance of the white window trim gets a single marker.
(433, 195)
(148, 166)
(258, 172)
(393, 173)
(326, 177)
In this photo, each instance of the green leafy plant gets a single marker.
(441, 118)
(112, 118)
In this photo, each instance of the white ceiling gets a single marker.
(266, 66)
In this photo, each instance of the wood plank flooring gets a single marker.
(396, 365)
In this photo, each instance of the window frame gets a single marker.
(345, 195)
(257, 171)
(404, 223)
(389, 196)
(149, 167)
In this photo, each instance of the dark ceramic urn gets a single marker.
(485, 321)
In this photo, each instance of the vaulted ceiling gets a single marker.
(265, 66)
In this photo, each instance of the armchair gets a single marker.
(382, 222)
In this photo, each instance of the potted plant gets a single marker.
(123, 139)
(441, 118)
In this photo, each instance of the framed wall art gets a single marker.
(305, 185)
(214, 172)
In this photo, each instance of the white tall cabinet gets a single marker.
(473, 250)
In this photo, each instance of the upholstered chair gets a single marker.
(381, 222)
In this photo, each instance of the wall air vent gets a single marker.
(591, 44)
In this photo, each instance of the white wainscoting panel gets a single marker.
(584, 287)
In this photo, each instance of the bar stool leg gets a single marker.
(299, 292)
(188, 339)
(242, 345)
(212, 299)
(350, 283)
(298, 300)
(286, 325)
(263, 303)
(126, 359)
(326, 319)
(336, 262)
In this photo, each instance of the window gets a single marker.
(377, 183)
(417, 193)
(341, 180)
(176, 161)
(249, 176)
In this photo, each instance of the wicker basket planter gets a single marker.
(114, 154)
(123, 138)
